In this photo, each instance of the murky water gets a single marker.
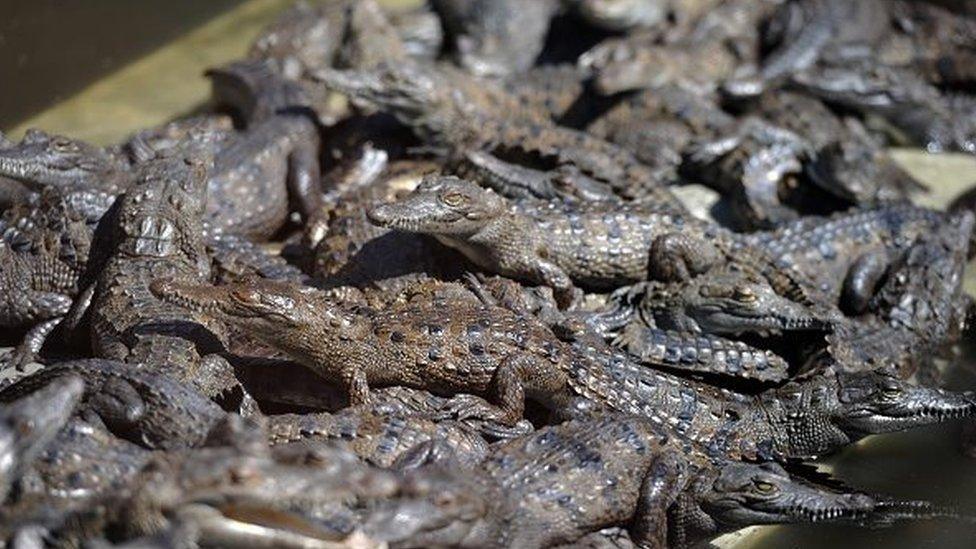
(921, 464)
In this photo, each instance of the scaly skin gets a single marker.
(463, 114)
(727, 300)
(775, 424)
(684, 352)
(155, 229)
(377, 438)
(462, 347)
(632, 475)
(828, 251)
(919, 310)
(145, 407)
(597, 245)
(30, 423)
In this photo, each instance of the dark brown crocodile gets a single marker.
(845, 255)
(562, 483)
(597, 245)
(465, 347)
(154, 229)
(454, 111)
(148, 408)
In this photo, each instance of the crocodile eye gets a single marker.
(244, 295)
(745, 294)
(710, 291)
(63, 145)
(454, 199)
(891, 390)
(764, 487)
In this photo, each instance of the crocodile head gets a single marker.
(445, 206)
(41, 160)
(830, 409)
(27, 425)
(414, 94)
(436, 507)
(738, 494)
(731, 301)
(294, 318)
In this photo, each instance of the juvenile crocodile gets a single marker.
(918, 310)
(463, 347)
(145, 407)
(155, 229)
(915, 111)
(726, 300)
(780, 423)
(454, 348)
(378, 438)
(461, 114)
(256, 170)
(561, 483)
(845, 255)
(597, 245)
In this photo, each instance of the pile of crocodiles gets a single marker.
(493, 273)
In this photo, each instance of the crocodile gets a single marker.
(145, 407)
(803, 32)
(918, 310)
(775, 424)
(44, 247)
(255, 171)
(699, 52)
(457, 113)
(564, 482)
(484, 350)
(230, 474)
(596, 245)
(495, 37)
(726, 300)
(30, 423)
(351, 251)
(156, 227)
(380, 439)
(845, 255)
(914, 111)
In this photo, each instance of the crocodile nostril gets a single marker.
(380, 215)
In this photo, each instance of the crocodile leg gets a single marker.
(676, 257)
(862, 280)
(660, 488)
(304, 181)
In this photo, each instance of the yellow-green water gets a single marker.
(921, 464)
